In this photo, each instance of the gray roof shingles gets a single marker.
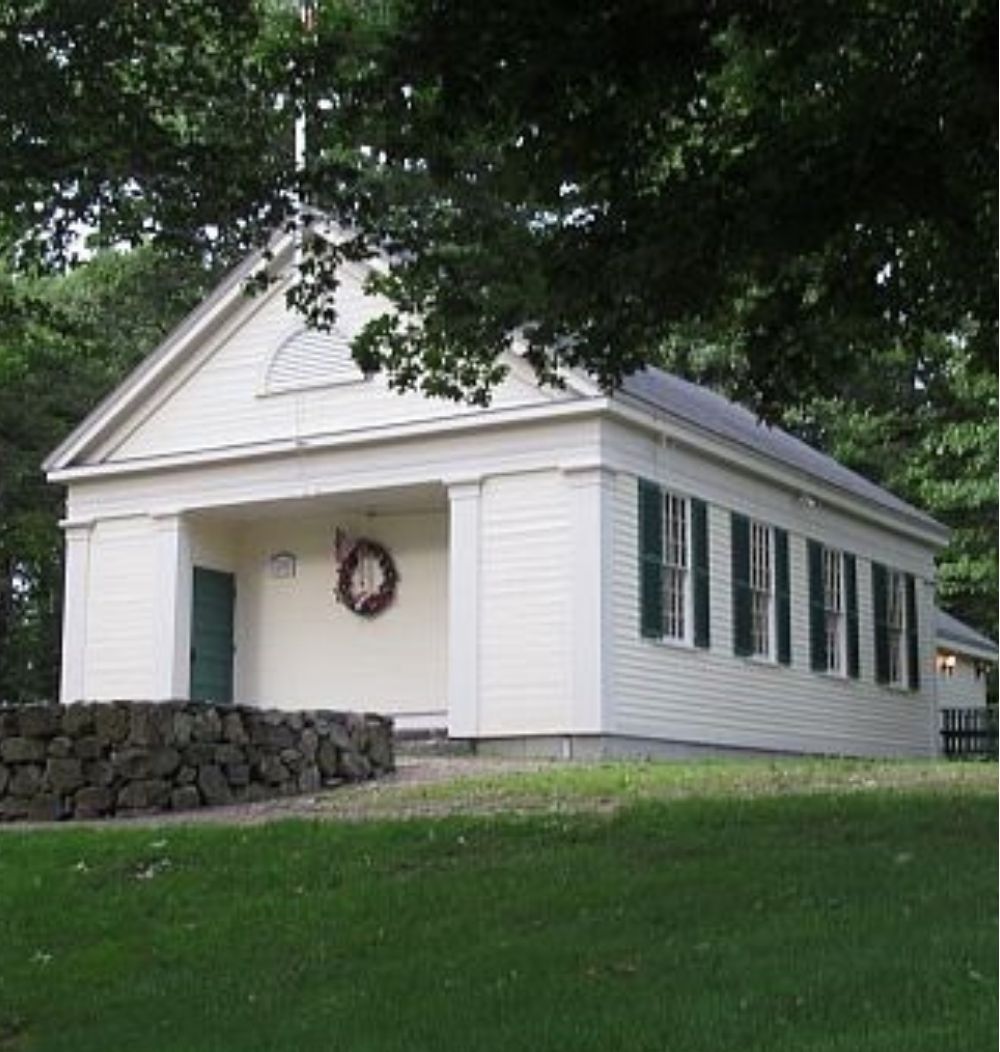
(702, 408)
(951, 630)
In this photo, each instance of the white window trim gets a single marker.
(687, 640)
(771, 657)
(836, 673)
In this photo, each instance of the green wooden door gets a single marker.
(212, 606)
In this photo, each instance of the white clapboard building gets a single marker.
(563, 571)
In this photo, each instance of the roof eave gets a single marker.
(922, 526)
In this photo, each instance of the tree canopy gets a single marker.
(795, 203)
(615, 183)
(64, 341)
(610, 183)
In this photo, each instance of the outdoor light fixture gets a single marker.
(946, 663)
(282, 565)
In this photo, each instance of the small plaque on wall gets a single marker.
(282, 565)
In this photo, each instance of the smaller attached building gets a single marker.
(965, 659)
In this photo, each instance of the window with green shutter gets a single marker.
(880, 607)
(761, 606)
(853, 650)
(742, 595)
(700, 560)
(673, 566)
(897, 648)
(650, 559)
(782, 597)
(833, 611)
(817, 612)
(912, 634)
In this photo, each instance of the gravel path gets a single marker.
(393, 796)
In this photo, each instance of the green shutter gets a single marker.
(650, 559)
(851, 589)
(880, 610)
(817, 610)
(742, 623)
(699, 561)
(912, 632)
(783, 598)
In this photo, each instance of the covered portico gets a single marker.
(290, 642)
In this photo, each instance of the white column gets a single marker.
(463, 609)
(591, 554)
(172, 610)
(73, 682)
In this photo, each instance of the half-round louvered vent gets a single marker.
(311, 359)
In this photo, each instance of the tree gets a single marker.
(133, 120)
(933, 440)
(806, 184)
(796, 202)
(64, 341)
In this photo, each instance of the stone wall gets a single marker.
(88, 760)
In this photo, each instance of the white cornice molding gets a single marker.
(362, 436)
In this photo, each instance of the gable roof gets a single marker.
(962, 637)
(704, 410)
(651, 390)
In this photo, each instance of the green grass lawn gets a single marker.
(838, 911)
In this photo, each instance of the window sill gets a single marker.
(763, 661)
(671, 644)
(899, 688)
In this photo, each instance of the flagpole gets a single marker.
(307, 18)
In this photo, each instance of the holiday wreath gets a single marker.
(355, 587)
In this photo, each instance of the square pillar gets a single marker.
(463, 608)
(591, 568)
(171, 673)
(73, 680)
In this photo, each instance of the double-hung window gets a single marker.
(761, 590)
(762, 623)
(676, 569)
(833, 611)
(834, 620)
(897, 641)
(673, 566)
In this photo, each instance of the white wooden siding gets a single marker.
(121, 588)
(297, 647)
(524, 618)
(962, 688)
(712, 696)
(229, 395)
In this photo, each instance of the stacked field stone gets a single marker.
(91, 759)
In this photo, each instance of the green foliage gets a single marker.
(796, 202)
(930, 433)
(808, 185)
(138, 118)
(848, 920)
(64, 342)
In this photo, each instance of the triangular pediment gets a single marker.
(255, 375)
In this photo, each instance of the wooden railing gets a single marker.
(969, 732)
